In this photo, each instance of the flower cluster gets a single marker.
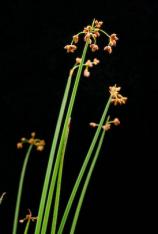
(28, 217)
(106, 126)
(91, 34)
(32, 141)
(88, 65)
(116, 97)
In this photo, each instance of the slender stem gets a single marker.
(83, 168)
(27, 227)
(75, 219)
(78, 35)
(104, 32)
(51, 157)
(58, 189)
(20, 188)
(56, 166)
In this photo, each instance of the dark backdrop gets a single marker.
(34, 68)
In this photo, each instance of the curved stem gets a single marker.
(104, 32)
(20, 188)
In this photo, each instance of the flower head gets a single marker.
(28, 217)
(32, 141)
(116, 97)
(90, 34)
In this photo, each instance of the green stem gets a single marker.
(20, 188)
(58, 189)
(75, 219)
(56, 166)
(27, 227)
(104, 32)
(83, 168)
(51, 157)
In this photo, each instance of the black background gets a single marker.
(34, 68)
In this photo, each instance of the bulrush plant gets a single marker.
(48, 220)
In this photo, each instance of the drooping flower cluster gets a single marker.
(112, 42)
(91, 34)
(116, 97)
(32, 141)
(28, 217)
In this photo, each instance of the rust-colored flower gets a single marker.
(116, 97)
(76, 38)
(78, 60)
(89, 63)
(19, 145)
(88, 37)
(96, 61)
(96, 33)
(93, 125)
(119, 100)
(106, 127)
(87, 29)
(113, 39)
(114, 90)
(40, 145)
(116, 122)
(94, 47)
(86, 72)
(108, 49)
(70, 48)
(98, 24)
(28, 217)
(32, 141)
